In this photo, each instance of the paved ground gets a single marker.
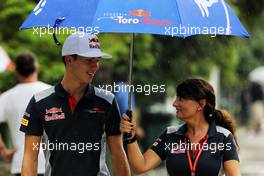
(251, 153)
(4, 169)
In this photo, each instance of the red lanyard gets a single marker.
(194, 165)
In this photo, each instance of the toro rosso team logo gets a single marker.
(54, 114)
(96, 110)
(138, 16)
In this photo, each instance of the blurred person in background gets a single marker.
(245, 99)
(204, 145)
(256, 109)
(13, 104)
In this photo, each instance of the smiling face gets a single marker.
(186, 108)
(195, 97)
(82, 69)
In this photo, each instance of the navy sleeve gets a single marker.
(230, 151)
(113, 120)
(159, 145)
(31, 123)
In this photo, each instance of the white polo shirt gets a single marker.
(13, 104)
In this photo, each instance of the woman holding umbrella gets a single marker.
(203, 145)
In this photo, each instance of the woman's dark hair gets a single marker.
(198, 89)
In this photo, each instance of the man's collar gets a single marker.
(89, 91)
(60, 91)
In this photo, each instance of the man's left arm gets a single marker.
(118, 156)
(115, 143)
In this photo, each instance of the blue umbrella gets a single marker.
(180, 18)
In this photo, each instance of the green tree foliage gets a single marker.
(249, 10)
(13, 13)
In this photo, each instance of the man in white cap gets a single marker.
(75, 118)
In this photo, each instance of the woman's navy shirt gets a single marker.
(220, 147)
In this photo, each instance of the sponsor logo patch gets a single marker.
(155, 144)
(24, 122)
(96, 110)
(54, 114)
(26, 114)
(175, 150)
(138, 16)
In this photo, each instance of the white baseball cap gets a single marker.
(83, 44)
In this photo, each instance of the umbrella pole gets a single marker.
(129, 109)
(130, 82)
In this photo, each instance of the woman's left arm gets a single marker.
(231, 168)
(230, 157)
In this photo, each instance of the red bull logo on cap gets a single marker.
(94, 42)
(94, 39)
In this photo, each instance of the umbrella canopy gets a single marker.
(257, 75)
(181, 18)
